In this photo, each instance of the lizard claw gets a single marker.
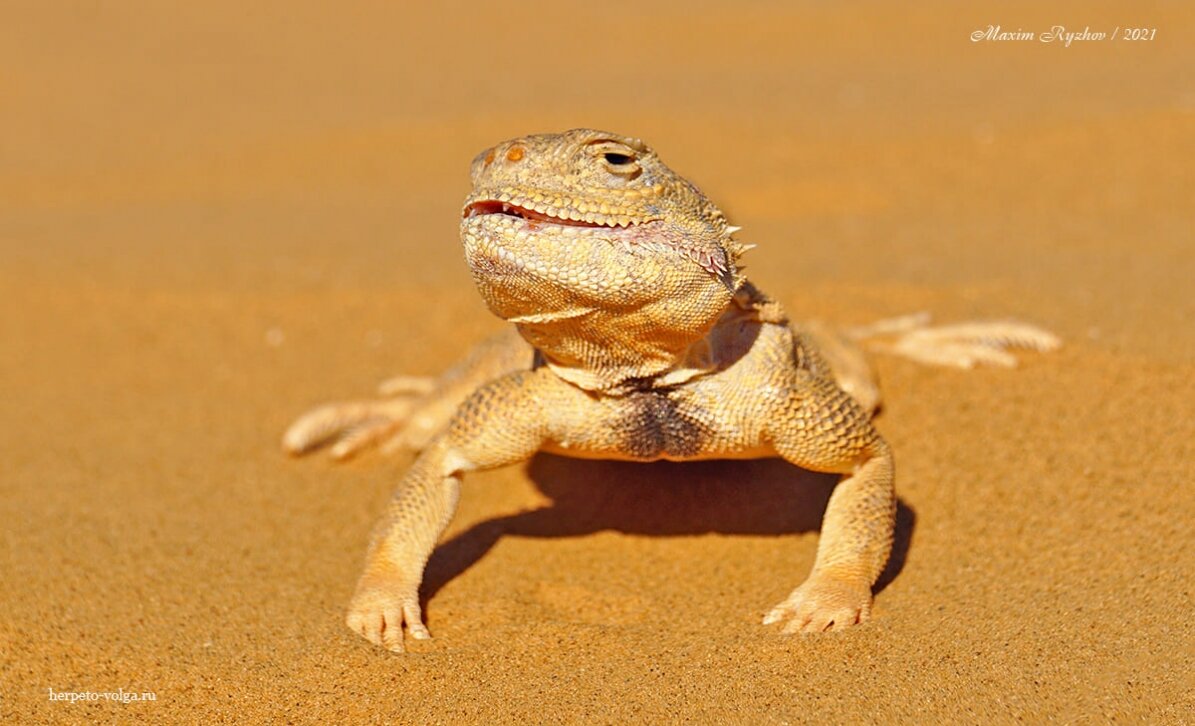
(823, 603)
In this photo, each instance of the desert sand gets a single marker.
(214, 216)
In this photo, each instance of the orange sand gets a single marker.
(216, 215)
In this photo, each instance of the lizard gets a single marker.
(636, 336)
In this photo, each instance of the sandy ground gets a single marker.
(216, 215)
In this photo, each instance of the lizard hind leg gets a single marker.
(349, 426)
(411, 410)
(959, 345)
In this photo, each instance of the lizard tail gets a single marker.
(959, 345)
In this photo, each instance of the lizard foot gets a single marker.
(378, 611)
(959, 345)
(823, 603)
(354, 426)
(350, 426)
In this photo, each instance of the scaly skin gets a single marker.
(637, 339)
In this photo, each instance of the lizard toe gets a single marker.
(378, 615)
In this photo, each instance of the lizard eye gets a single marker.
(622, 160)
(622, 164)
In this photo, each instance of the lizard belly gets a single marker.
(659, 425)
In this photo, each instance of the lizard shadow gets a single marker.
(758, 497)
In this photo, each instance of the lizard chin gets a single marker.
(627, 302)
(526, 265)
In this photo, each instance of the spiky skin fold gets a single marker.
(640, 340)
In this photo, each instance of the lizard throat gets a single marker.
(493, 206)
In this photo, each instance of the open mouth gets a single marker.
(493, 206)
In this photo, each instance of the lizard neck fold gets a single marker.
(619, 356)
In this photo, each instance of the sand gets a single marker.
(217, 215)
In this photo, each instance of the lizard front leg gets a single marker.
(499, 424)
(824, 429)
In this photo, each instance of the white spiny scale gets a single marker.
(731, 229)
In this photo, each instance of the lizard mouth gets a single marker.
(547, 216)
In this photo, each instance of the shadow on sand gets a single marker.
(763, 496)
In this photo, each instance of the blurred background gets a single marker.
(294, 143)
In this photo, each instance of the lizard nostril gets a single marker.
(515, 153)
(489, 157)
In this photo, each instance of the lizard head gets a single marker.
(589, 228)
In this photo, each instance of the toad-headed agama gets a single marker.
(635, 337)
